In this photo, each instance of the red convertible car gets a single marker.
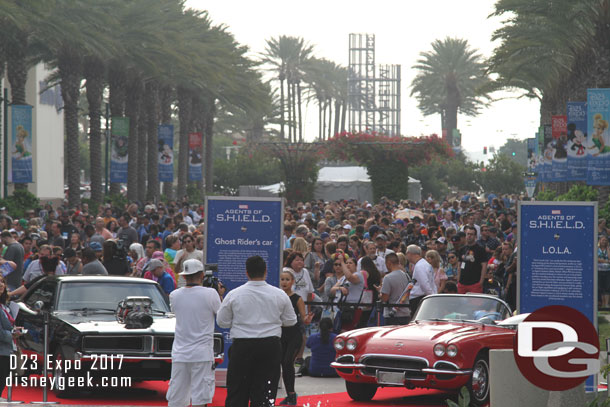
(445, 346)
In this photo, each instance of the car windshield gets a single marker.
(106, 295)
(462, 307)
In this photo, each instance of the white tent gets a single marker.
(335, 183)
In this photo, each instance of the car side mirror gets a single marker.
(24, 308)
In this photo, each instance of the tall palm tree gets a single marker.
(152, 108)
(451, 77)
(287, 56)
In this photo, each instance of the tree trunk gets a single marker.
(294, 112)
(134, 89)
(17, 72)
(165, 99)
(323, 134)
(142, 148)
(343, 115)
(300, 111)
(320, 132)
(70, 73)
(337, 116)
(282, 109)
(184, 116)
(94, 76)
(152, 109)
(117, 83)
(289, 94)
(209, 132)
(197, 120)
(330, 118)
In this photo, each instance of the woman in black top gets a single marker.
(115, 262)
(291, 338)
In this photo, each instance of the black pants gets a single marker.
(292, 338)
(413, 304)
(5, 371)
(252, 373)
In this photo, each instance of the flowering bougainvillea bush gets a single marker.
(386, 158)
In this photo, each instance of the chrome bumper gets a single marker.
(431, 371)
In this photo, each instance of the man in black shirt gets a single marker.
(473, 264)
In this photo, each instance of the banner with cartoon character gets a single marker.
(119, 136)
(166, 152)
(195, 159)
(577, 141)
(532, 154)
(559, 166)
(598, 139)
(21, 138)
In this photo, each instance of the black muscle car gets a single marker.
(85, 337)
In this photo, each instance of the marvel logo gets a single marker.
(556, 212)
(243, 206)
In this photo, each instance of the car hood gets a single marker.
(106, 324)
(422, 333)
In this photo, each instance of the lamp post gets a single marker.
(107, 149)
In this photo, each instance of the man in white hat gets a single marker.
(195, 306)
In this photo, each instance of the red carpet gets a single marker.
(153, 394)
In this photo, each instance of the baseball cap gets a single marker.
(154, 263)
(399, 222)
(95, 246)
(381, 236)
(347, 226)
(324, 235)
(23, 223)
(441, 240)
(191, 266)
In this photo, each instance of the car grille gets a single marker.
(411, 366)
(164, 344)
(445, 366)
(346, 359)
(113, 343)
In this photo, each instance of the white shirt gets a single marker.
(256, 310)
(379, 262)
(302, 283)
(195, 308)
(424, 274)
(35, 269)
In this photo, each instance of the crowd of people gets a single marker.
(335, 254)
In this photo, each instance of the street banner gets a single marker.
(547, 152)
(119, 136)
(166, 152)
(577, 141)
(530, 186)
(559, 166)
(557, 257)
(195, 160)
(237, 228)
(598, 139)
(21, 140)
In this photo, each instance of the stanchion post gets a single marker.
(379, 310)
(9, 392)
(45, 319)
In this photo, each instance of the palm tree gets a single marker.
(451, 77)
(287, 56)
(152, 108)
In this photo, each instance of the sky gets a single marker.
(403, 29)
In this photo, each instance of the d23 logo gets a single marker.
(557, 348)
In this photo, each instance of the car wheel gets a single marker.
(60, 387)
(360, 391)
(479, 381)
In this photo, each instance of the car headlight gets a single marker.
(439, 350)
(351, 344)
(339, 344)
(452, 351)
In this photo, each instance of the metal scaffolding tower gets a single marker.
(373, 103)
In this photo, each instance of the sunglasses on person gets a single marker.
(451, 257)
(336, 264)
